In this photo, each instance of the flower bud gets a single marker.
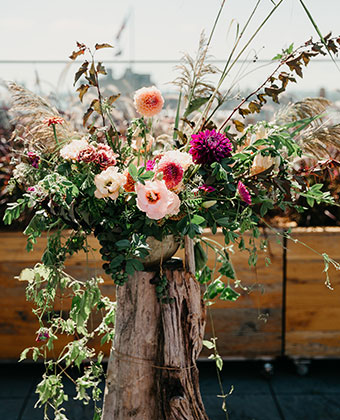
(208, 204)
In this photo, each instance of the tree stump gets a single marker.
(152, 373)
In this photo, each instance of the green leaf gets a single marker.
(195, 104)
(129, 268)
(123, 244)
(227, 269)
(138, 265)
(117, 261)
(208, 344)
(266, 205)
(146, 175)
(23, 354)
(214, 289)
(223, 221)
(229, 294)
(219, 362)
(197, 220)
(133, 171)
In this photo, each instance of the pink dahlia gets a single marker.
(156, 200)
(172, 173)
(105, 156)
(244, 193)
(209, 146)
(148, 101)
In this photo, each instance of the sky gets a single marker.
(156, 30)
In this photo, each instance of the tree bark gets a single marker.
(152, 373)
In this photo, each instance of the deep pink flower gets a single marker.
(30, 189)
(209, 146)
(244, 193)
(105, 156)
(33, 159)
(207, 188)
(172, 173)
(150, 164)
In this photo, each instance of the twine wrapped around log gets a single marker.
(152, 373)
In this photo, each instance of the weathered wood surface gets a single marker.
(152, 371)
(312, 310)
(251, 327)
(239, 326)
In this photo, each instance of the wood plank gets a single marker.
(237, 323)
(312, 309)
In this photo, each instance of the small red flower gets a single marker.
(54, 121)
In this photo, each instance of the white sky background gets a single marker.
(43, 30)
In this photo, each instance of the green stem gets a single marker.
(55, 134)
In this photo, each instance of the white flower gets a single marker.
(71, 150)
(20, 172)
(108, 183)
(182, 158)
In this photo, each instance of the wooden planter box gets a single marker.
(287, 309)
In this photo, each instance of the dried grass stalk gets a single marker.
(30, 114)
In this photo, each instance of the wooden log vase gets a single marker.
(152, 373)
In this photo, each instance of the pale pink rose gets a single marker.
(183, 158)
(156, 200)
(148, 101)
(174, 204)
(72, 149)
(108, 183)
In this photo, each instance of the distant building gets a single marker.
(128, 83)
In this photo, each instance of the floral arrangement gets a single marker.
(127, 187)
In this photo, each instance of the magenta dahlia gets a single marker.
(209, 146)
(244, 193)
